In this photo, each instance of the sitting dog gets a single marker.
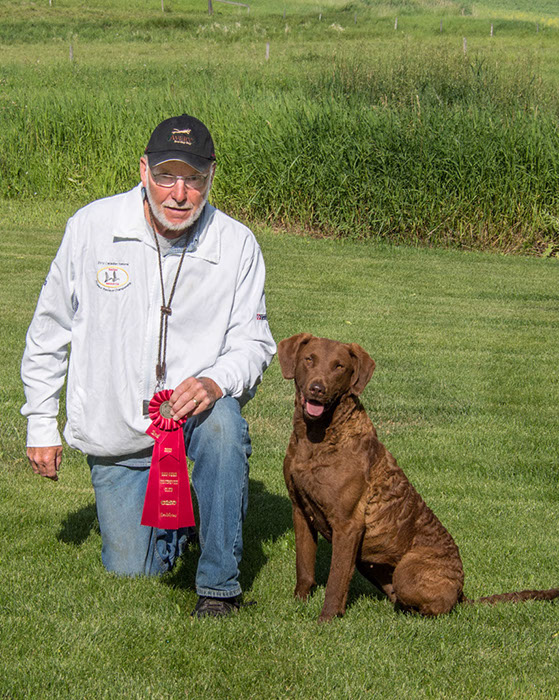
(345, 485)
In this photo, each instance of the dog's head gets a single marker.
(324, 370)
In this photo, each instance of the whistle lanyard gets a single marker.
(166, 311)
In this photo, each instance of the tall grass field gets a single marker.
(427, 122)
(390, 157)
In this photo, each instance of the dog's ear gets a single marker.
(363, 370)
(287, 353)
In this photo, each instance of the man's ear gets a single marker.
(143, 170)
(287, 353)
(364, 366)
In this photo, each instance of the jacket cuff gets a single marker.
(42, 432)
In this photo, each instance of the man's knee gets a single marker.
(222, 430)
(130, 548)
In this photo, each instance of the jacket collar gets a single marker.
(131, 224)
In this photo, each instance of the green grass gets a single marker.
(465, 394)
(350, 129)
(374, 137)
(538, 8)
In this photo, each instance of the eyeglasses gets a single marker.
(191, 182)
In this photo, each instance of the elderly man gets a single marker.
(154, 289)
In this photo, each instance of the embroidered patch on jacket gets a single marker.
(113, 278)
(261, 317)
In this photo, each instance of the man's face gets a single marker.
(177, 207)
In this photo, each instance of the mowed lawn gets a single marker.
(465, 394)
(466, 388)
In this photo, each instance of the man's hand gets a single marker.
(45, 461)
(194, 396)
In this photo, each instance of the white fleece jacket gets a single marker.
(102, 297)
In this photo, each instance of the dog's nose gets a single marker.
(317, 389)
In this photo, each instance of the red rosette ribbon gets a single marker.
(168, 503)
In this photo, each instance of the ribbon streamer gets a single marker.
(168, 503)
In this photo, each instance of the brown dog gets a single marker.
(345, 485)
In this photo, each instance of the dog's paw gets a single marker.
(326, 618)
(327, 615)
(301, 593)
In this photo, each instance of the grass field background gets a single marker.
(466, 390)
(402, 134)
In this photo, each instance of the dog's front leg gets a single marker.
(345, 543)
(305, 553)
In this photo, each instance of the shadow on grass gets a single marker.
(77, 526)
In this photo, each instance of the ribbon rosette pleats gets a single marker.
(168, 504)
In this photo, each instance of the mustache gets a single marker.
(174, 205)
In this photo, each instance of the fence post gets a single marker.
(210, 7)
(464, 45)
(491, 32)
(396, 24)
(267, 50)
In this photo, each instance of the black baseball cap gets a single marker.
(181, 138)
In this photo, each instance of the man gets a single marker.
(154, 289)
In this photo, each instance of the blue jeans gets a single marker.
(218, 443)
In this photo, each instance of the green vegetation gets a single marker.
(374, 136)
(465, 394)
(351, 128)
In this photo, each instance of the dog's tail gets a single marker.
(516, 597)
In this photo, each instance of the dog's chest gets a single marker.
(315, 492)
(317, 480)
(327, 485)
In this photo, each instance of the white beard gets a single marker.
(159, 215)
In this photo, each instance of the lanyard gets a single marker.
(166, 311)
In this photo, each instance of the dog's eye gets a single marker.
(308, 360)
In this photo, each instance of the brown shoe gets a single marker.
(216, 607)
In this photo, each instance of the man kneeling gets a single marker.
(155, 290)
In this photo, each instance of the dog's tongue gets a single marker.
(314, 408)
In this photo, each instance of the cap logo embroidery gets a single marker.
(182, 136)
